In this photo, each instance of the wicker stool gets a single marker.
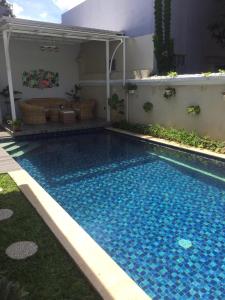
(67, 116)
(53, 115)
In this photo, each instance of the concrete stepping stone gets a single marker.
(5, 214)
(21, 250)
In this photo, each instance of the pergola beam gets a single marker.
(6, 39)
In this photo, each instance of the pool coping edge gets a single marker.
(101, 270)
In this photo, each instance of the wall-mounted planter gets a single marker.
(194, 110)
(131, 88)
(223, 96)
(148, 107)
(131, 92)
(169, 93)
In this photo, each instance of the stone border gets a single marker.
(107, 277)
(204, 152)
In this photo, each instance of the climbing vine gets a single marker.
(163, 43)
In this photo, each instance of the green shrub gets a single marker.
(194, 109)
(172, 74)
(177, 135)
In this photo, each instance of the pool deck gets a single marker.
(4, 134)
(7, 163)
(51, 127)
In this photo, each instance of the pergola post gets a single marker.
(107, 81)
(124, 62)
(6, 38)
(124, 79)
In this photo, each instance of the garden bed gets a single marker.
(180, 136)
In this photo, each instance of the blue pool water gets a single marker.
(163, 222)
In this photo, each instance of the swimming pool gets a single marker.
(158, 212)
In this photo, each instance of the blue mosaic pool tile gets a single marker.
(138, 207)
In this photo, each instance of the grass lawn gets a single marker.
(50, 273)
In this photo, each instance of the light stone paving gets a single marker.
(5, 214)
(7, 163)
(21, 250)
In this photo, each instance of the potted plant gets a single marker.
(148, 106)
(140, 74)
(16, 125)
(130, 88)
(169, 93)
(5, 94)
(117, 107)
(75, 92)
(194, 109)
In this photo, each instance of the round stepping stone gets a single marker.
(21, 250)
(5, 214)
(186, 244)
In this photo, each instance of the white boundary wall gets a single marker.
(207, 92)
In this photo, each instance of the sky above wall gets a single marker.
(42, 10)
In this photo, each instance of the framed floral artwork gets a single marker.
(40, 79)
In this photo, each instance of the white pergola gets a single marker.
(42, 31)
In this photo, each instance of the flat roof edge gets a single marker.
(15, 23)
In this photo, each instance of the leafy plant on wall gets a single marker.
(163, 43)
(169, 93)
(194, 110)
(40, 79)
(148, 106)
(116, 103)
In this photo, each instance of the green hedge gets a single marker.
(176, 135)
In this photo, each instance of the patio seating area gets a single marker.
(41, 89)
(46, 110)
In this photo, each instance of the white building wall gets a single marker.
(139, 55)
